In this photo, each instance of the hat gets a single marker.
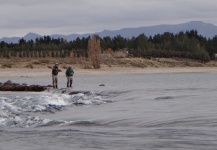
(56, 64)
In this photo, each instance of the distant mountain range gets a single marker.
(205, 29)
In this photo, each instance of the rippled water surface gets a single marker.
(166, 111)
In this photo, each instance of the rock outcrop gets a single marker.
(10, 86)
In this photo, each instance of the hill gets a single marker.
(205, 29)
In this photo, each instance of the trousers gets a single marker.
(55, 81)
(69, 81)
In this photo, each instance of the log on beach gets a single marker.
(10, 86)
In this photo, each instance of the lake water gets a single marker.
(167, 111)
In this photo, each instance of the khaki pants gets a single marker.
(55, 81)
(69, 81)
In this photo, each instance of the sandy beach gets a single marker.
(42, 72)
(42, 67)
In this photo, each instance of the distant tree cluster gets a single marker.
(183, 45)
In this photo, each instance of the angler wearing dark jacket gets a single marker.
(55, 71)
(69, 75)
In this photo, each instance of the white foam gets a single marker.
(14, 108)
(54, 100)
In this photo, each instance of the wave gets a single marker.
(20, 110)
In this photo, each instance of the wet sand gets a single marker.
(37, 72)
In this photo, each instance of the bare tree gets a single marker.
(94, 51)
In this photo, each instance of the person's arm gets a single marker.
(59, 70)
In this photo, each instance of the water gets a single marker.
(167, 111)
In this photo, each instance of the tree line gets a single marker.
(187, 44)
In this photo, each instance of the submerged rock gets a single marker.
(10, 86)
(77, 92)
(164, 98)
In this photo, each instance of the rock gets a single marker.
(10, 86)
(7, 82)
(77, 92)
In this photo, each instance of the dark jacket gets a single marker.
(55, 70)
(69, 72)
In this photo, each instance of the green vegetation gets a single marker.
(182, 45)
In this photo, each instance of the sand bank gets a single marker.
(37, 72)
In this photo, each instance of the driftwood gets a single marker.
(10, 86)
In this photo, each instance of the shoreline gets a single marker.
(44, 72)
(41, 67)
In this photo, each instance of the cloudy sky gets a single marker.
(45, 17)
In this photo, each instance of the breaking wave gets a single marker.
(20, 109)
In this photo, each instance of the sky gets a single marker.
(46, 17)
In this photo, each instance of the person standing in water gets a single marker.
(55, 71)
(69, 75)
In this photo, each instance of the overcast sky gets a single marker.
(45, 17)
